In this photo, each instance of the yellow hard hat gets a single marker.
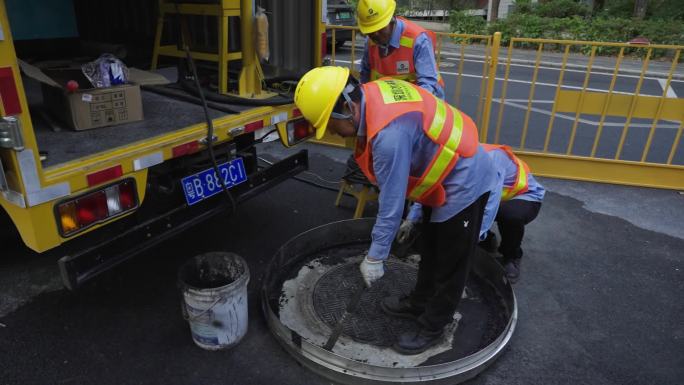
(317, 92)
(373, 15)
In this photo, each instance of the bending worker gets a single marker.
(396, 47)
(521, 199)
(412, 145)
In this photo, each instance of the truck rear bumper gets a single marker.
(88, 263)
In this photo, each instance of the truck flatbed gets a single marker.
(162, 115)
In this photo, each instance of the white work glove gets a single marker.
(371, 270)
(404, 232)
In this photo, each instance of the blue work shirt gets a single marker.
(402, 149)
(504, 165)
(423, 60)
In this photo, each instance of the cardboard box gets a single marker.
(87, 107)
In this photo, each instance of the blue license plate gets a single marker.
(206, 183)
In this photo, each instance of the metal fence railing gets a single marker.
(568, 111)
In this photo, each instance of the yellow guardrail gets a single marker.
(553, 149)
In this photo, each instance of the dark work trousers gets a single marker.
(446, 250)
(511, 219)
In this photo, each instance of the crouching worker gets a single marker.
(521, 201)
(414, 146)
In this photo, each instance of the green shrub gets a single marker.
(462, 23)
(561, 8)
(597, 29)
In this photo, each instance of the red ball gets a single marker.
(72, 85)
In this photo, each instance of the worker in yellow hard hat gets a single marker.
(397, 47)
(415, 146)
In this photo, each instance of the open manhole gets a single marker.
(313, 278)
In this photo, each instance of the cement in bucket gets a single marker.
(214, 291)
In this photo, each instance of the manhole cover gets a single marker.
(368, 324)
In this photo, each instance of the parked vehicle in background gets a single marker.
(340, 13)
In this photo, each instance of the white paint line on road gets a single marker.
(581, 120)
(670, 92)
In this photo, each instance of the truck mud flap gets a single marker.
(86, 264)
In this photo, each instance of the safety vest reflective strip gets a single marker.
(520, 184)
(446, 152)
(375, 75)
(405, 41)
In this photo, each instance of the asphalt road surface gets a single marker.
(599, 298)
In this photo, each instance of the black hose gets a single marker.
(210, 124)
(231, 99)
(184, 96)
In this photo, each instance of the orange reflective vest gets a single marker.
(399, 64)
(521, 185)
(453, 131)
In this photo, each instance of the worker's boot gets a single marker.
(416, 342)
(401, 307)
(512, 269)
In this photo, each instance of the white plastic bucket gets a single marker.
(214, 291)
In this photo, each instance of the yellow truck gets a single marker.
(110, 192)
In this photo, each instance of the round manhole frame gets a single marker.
(343, 369)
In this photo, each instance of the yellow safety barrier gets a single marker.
(562, 115)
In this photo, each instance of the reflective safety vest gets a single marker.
(399, 64)
(453, 131)
(520, 186)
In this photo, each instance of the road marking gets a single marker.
(670, 92)
(581, 120)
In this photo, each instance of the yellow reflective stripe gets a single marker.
(511, 192)
(446, 153)
(437, 124)
(406, 42)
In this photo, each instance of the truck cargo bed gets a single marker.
(61, 144)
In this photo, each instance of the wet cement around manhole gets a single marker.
(315, 294)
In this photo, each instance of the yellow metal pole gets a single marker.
(157, 38)
(580, 101)
(675, 144)
(491, 81)
(533, 86)
(481, 99)
(459, 79)
(438, 50)
(632, 107)
(332, 41)
(319, 30)
(549, 128)
(353, 52)
(604, 111)
(659, 111)
(249, 83)
(503, 93)
(223, 54)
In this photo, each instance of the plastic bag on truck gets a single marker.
(106, 71)
(261, 34)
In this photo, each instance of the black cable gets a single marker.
(195, 89)
(210, 125)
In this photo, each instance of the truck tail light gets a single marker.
(79, 213)
(299, 130)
